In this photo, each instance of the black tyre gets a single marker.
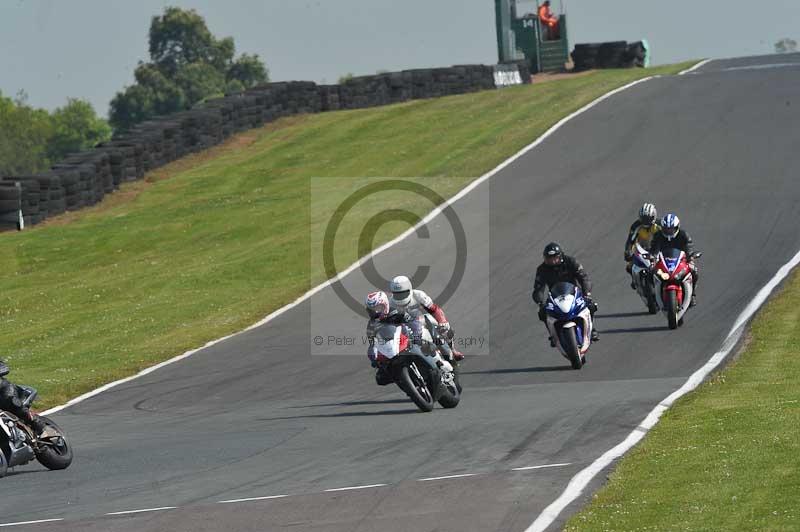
(672, 310)
(9, 205)
(54, 453)
(3, 463)
(413, 383)
(451, 394)
(652, 304)
(571, 347)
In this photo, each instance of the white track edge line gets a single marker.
(143, 510)
(435, 212)
(695, 67)
(248, 499)
(579, 482)
(32, 522)
(528, 468)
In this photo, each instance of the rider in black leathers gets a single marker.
(10, 402)
(556, 268)
(676, 237)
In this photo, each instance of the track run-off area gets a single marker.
(257, 433)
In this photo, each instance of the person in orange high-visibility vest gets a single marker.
(549, 20)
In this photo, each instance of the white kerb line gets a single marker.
(695, 67)
(579, 482)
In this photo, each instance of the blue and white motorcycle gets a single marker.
(569, 322)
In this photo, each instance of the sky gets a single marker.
(55, 49)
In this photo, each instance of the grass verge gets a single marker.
(213, 243)
(725, 457)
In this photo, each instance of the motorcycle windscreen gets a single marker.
(564, 295)
(563, 289)
(672, 257)
(388, 341)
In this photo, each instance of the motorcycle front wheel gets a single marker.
(413, 383)
(571, 348)
(672, 309)
(451, 393)
(54, 453)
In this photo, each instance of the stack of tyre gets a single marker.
(84, 178)
(616, 54)
(10, 203)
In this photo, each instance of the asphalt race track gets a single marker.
(259, 416)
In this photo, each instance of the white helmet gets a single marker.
(377, 304)
(401, 290)
(648, 214)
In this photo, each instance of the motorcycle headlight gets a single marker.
(664, 275)
(680, 275)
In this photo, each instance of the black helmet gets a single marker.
(4, 369)
(552, 254)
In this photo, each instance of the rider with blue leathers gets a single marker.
(557, 268)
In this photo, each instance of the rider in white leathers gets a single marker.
(415, 302)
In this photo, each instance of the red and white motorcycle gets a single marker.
(674, 282)
(412, 356)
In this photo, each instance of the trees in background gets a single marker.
(785, 46)
(33, 139)
(187, 65)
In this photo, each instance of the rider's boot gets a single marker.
(35, 423)
(595, 335)
(383, 377)
(693, 302)
(629, 269)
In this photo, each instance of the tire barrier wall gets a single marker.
(84, 178)
(617, 54)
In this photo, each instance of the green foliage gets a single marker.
(199, 81)
(24, 133)
(32, 139)
(786, 46)
(75, 127)
(346, 77)
(248, 70)
(187, 65)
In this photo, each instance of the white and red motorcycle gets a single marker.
(412, 356)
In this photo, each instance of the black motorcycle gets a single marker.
(19, 445)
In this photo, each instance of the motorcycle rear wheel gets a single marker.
(59, 454)
(417, 391)
(571, 348)
(672, 309)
